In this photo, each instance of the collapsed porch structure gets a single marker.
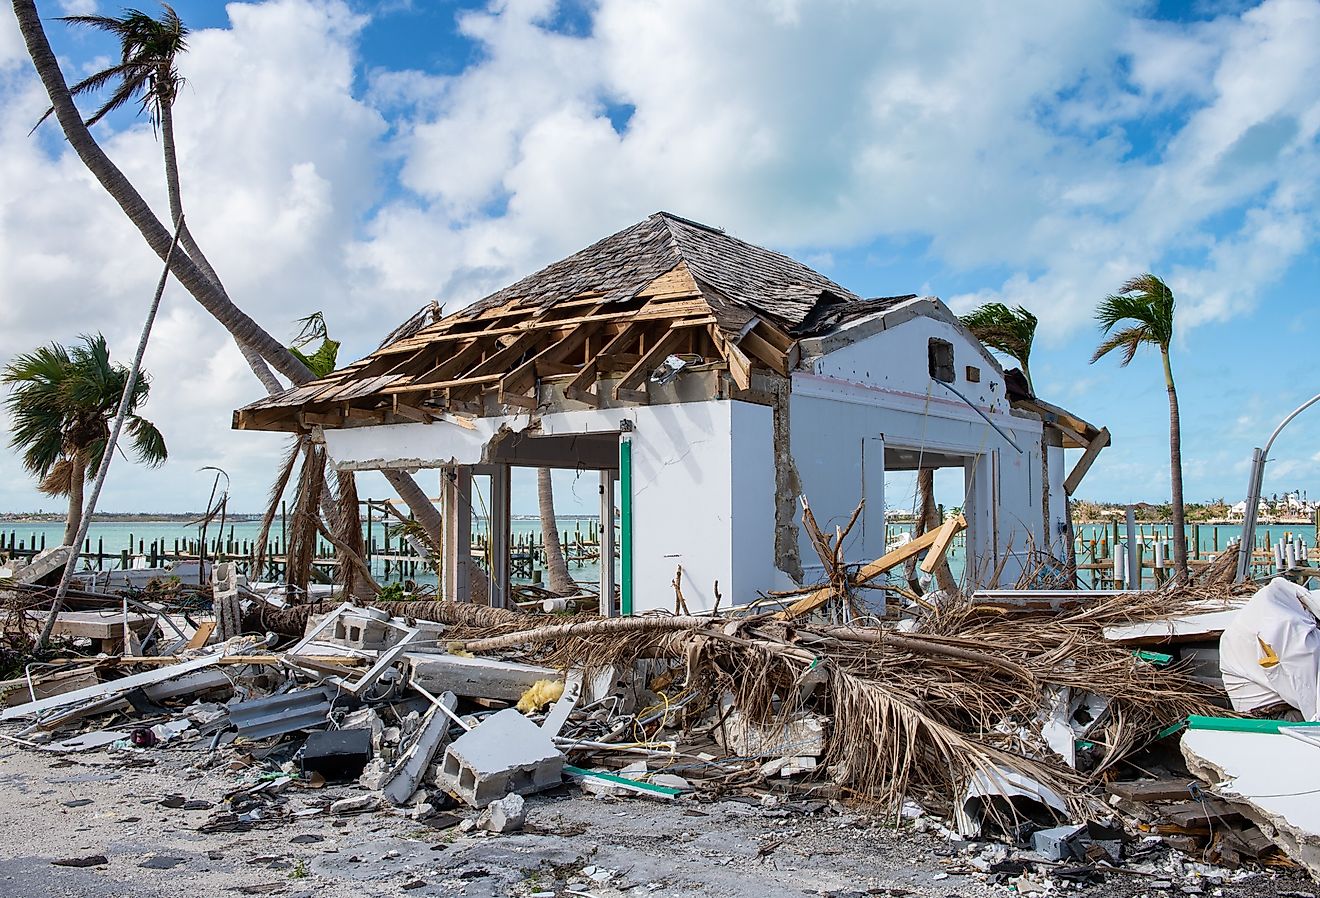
(711, 383)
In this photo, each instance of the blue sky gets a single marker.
(365, 158)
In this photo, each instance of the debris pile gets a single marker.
(1046, 736)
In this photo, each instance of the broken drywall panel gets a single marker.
(1273, 777)
(431, 445)
(1187, 627)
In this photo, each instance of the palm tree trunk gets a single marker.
(77, 477)
(175, 194)
(929, 519)
(1180, 571)
(418, 503)
(254, 342)
(555, 565)
(158, 237)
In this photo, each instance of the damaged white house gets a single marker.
(711, 383)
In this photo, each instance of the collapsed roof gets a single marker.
(598, 321)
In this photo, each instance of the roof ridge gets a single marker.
(670, 216)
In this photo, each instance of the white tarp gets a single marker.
(1271, 650)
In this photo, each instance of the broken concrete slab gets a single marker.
(1273, 777)
(43, 565)
(504, 815)
(505, 753)
(102, 626)
(476, 677)
(803, 736)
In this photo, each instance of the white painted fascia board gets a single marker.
(820, 386)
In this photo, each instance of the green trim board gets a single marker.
(1245, 724)
(625, 525)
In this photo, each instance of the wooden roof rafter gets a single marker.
(463, 362)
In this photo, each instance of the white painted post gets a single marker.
(606, 544)
(1134, 550)
(1120, 566)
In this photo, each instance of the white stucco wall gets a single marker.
(879, 391)
(703, 498)
(703, 487)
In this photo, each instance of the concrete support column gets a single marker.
(456, 491)
(501, 536)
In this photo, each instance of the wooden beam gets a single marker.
(308, 419)
(442, 384)
(764, 351)
(577, 388)
(404, 410)
(889, 560)
(650, 359)
(938, 549)
(456, 363)
(1084, 463)
(740, 367)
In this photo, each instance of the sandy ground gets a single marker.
(54, 808)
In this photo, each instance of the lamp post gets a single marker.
(1258, 459)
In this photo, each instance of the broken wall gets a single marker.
(878, 392)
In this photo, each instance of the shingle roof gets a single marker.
(733, 274)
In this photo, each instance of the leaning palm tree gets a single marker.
(1141, 313)
(555, 564)
(257, 345)
(147, 73)
(1010, 331)
(62, 404)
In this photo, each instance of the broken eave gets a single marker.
(588, 350)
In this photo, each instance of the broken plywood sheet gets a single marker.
(1274, 776)
(109, 690)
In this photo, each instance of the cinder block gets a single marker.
(506, 753)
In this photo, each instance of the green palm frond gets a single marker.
(61, 404)
(1010, 331)
(148, 442)
(146, 70)
(310, 329)
(321, 362)
(1141, 313)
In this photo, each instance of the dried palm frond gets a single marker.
(273, 503)
(301, 548)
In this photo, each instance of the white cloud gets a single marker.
(1063, 147)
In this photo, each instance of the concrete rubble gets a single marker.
(464, 731)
